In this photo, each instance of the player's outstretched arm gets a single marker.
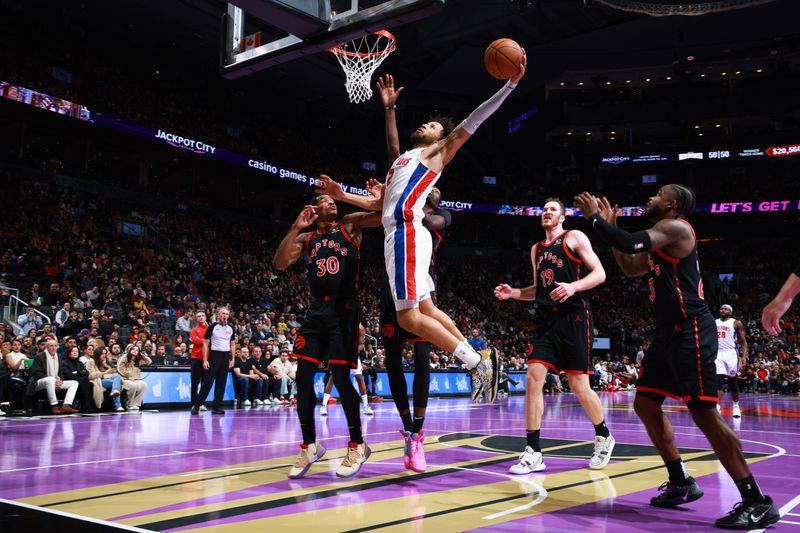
(327, 185)
(291, 247)
(447, 148)
(389, 97)
(632, 265)
(772, 313)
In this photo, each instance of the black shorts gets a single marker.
(329, 333)
(681, 361)
(563, 342)
(390, 328)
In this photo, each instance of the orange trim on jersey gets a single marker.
(307, 358)
(347, 236)
(660, 392)
(666, 256)
(697, 351)
(567, 251)
(547, 244)
(708, 399)
(587, 372)
(680, 294)
(342, 362)
(690, 227)
(548, 365)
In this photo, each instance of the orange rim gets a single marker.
(339, 50)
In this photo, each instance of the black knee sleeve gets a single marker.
(422, 374)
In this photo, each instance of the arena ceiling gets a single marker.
(442, 55)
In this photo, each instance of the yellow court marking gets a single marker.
(106, 502)
(468, 507)
(298, 494)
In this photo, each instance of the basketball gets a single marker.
(503, 58)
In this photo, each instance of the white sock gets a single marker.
(467, 355)
(736, 404)
(364, 400)
(325, 398)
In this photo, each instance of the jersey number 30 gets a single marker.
(329, 265)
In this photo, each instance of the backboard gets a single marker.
(259, 34)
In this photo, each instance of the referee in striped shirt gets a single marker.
(219, 347)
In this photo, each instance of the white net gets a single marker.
(359, 59)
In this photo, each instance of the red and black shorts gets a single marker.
(680, 363)
(390, 328)
(329, 333)
(563, 342)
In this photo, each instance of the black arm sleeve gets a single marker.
(629, 243)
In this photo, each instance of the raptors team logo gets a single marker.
(300, 342)
(387, 331)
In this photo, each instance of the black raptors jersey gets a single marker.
(675, 286)
(333, 264)
(555, 262)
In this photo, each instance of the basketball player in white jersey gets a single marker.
(730, 332)
(408, 245)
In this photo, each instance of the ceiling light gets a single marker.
(588, 133)
(569, 133)
(647, 79)
(608, 83)
(702, 75)
(738, 72)
(580, 83)
(669, 77)
(760, 71)
(697, 127)
(627, 81)
(613, 133)
(718, 125)
(562, 83)
(699, 134)
(724, 73)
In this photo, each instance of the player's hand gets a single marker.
(742, 362)
(772, 313)
(587, 204)
(327, 185)
(562, 292)
(608, 213)
(230, 363)
(387, 91)
(306, 217)
(206, 365)
(503, 292)
(522, 65)
(375, 188)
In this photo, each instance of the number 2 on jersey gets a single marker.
(329, 265)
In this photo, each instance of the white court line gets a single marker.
(792, 514)
(78, 517)
(783, 511)
(173, 453)
(789, 522)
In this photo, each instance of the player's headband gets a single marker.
(728, 307)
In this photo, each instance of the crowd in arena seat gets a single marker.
(100, 288)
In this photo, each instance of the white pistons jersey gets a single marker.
(407, 245)
(408, 184)
(726, 334)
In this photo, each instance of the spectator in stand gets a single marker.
(14, 380)
(73, 369)
(762, 379)
(129, 368)
(261, 368)
(247, 383)
(46, 374)
(279, 386)
(101, 375)
(63, 314)
(476, 340)
(183, 326)
(30, 321)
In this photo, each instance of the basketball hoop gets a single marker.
(359, 58)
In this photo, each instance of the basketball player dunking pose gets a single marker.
(680, 360)
(408, 245)
(564, 267)
(331, 325)
(730, 332)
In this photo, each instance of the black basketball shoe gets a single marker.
(750, 515)
(673, 495)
